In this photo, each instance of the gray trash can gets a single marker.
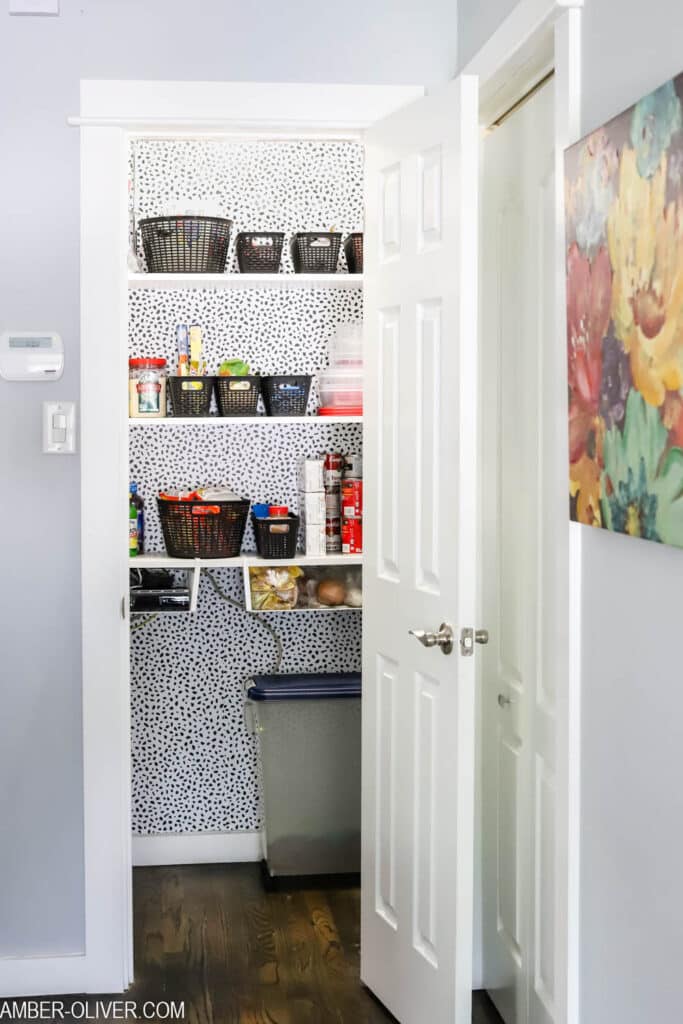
(309, 733)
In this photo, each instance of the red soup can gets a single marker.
(333, 541)
(332, 469)
(352, 536)
(352, 499)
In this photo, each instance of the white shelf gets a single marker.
(163, 561)
(171, 282)
(303, 611)
(229, 421)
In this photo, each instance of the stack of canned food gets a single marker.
(331, 504)
(352, 505)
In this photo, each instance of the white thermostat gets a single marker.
(31, 355)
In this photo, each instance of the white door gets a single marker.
(518, 722)
(420, 563)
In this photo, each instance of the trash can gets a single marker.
(309, 734)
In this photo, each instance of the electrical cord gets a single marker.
(236, 604)
(257, 616)
(145, 622)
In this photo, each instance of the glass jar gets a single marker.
(147, 388)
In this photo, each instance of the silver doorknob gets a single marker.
(443, 638)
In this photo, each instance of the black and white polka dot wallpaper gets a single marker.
(194, 762)
(260, 186)
(275, 330)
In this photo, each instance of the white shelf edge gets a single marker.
(303, 611)
(173, 282)
(160, 560)
(227, 421)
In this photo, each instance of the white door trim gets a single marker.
(197, 848)
(111, 111)
(539, 35)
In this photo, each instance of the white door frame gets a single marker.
(537, 36)
(111, 112)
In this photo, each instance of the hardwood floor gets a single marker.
(212, 937)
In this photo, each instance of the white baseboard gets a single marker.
(196, 848)
(42, 975)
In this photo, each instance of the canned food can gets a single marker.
(352, 536)
(353, 466)
(352, 499)
(332, 469)
(333, 543)
(332, 503)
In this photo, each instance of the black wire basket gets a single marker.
(259, 252)
(190, 396)
(276, 538)
(185, 245)
(315, 252)
(353, 250)
(286, 395)
(203, 529)
(237, 396)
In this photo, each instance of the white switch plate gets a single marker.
(34, 7)
(56, 417)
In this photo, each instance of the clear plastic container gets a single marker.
(346, 348)
(341, 386)
(147, 388)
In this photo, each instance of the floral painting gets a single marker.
(624, 218)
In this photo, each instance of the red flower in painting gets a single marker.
(589, 298)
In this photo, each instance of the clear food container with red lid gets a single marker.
(146, 388)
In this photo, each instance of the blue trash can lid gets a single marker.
(303, 686)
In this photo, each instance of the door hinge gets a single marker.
(469, 637)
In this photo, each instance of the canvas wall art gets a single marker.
(624, 219)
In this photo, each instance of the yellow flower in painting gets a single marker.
(584, 485)
(645, 239)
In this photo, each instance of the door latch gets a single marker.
(443, 638)
(469, 637)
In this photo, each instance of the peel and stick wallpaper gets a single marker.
(624, 217)
(194, 761)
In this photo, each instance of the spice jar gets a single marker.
(147, 388)
(279, 512)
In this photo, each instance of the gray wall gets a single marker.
(477, 20)
(632, 798)
(632, 700)
(41, 62)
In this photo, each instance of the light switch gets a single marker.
(59, 428)
(34, 7)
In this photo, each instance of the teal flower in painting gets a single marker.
(642, 482)
(656, 118)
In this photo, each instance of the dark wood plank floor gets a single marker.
(212, 937)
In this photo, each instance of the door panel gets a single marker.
(420, 568)
(518, 291)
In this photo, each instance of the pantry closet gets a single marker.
(194, 766)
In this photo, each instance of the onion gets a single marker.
(331, 592)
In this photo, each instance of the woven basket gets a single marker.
(237, 396)
(315, 252)
(259, 252)
(185, 245)
(203, 529)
